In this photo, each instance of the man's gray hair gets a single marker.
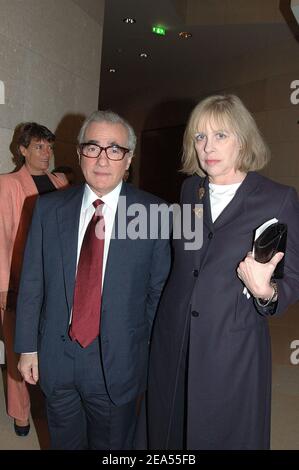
(108, 116)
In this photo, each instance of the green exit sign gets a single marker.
(159, 30)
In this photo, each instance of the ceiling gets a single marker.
(221, 31)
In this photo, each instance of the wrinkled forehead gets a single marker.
(215, 121)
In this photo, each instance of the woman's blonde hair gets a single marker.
(228, 112)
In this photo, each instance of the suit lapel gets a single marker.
(68, 217)
(118, 248)
(237, 204)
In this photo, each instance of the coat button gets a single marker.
(62, 338)
(195, 272)
(194, 313)
(210, 236)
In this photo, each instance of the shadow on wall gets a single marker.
(161, 149)
(285, 9)
(66, 142)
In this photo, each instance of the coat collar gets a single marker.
(28, 185)
(233, 209)
(237, 204)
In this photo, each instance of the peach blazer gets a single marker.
(18, 194)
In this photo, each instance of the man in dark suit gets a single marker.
(91, 361)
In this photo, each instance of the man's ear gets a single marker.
(129, 162)
(78, 153)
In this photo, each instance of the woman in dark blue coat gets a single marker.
(210, 364)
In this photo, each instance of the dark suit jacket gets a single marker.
(135, 274)
(229, 371)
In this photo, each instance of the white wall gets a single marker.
(50, 59)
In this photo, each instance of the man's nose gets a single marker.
(102, 158)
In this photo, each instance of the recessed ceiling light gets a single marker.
(185, 35)
(112, 70)
(129, 20)
(143, 55)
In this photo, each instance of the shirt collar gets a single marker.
(110, 199)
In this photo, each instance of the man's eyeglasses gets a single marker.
(113, 152)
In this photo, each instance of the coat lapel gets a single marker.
(68, 217)
(229, 215)
(28, 185)
(237, 204)
(207, 217)
(201, 196)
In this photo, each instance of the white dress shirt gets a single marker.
(87, 210)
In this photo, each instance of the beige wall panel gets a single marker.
(85, 92)
(12, 73)
(58, 29)
(50, 59)
(93, 8)
(49, 90)
(6, 163)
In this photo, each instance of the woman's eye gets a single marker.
(221, 135)
(199, 137)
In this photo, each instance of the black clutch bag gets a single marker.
(272, 240)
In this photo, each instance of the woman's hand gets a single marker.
(257, 276)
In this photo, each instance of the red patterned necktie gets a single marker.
(88, 287)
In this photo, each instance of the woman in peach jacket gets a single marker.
(18, 193)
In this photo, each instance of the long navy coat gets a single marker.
(229, 363)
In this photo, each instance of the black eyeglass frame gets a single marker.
(123, 149)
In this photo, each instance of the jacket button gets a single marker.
(195, 272)
(194, 313)
(210, 236)
(62, 338)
